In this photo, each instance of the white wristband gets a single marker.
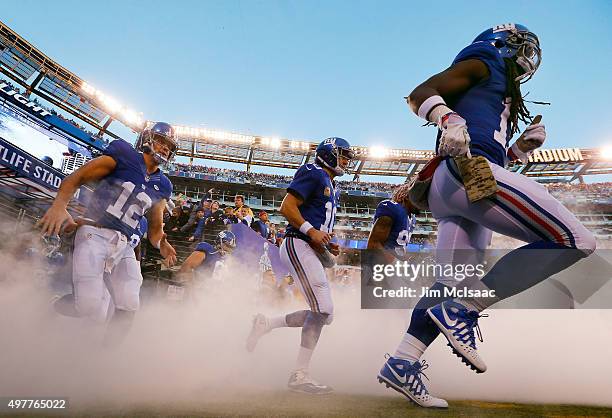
(433, 108)
(522, 156)
(305, 227)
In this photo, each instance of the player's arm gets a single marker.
(380, 233)
(194, 260)
(290, 210)
(156, 234)
(57, 214)
(450, 83)
(429, 99)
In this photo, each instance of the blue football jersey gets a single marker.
(400, 229)
(123, 197)
(314, 186)
(484, 106)
(212, 256)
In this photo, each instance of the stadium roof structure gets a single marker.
(547, 165)
(37, 73)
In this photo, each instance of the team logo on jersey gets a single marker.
(156, 187)
(327, 192)
(143, 186)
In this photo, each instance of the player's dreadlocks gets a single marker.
(518, 110)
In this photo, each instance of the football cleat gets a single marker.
(301, 382)
(261, 326)
(405, 378)
(458, 324)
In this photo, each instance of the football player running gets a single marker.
(392, 229)
(391, 232)
(310, 208)
(131, 185)
(477, 104)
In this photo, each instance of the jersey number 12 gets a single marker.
(127, 217)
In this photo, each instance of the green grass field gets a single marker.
(285, 404)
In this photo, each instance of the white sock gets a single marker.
(469, 304)
(304, 356)
(410, 348)
(278, 322)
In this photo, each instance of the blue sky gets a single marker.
(312, 69)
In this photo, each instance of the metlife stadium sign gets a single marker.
(35, 107)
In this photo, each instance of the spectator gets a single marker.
(191, 225)
(261, 225)
(173, 222)
(228, 215)
(238, 202)
(206, 205)
(245, 215)
(185, 214)
(214, 206)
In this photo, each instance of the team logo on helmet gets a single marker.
(329, 151)
(226, 241)
(160, 134)
(517, 42)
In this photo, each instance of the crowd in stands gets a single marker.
(598, 189)
(277, 178)
(95, 135)
(557, 189)
(203, 220)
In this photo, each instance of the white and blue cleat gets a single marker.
(405, 378)
(301, 382)
(457, 324)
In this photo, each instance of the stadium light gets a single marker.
(606, 152)
(131, 116)
(378, 152)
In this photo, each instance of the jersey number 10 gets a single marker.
(330, 215)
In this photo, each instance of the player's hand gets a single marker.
(52, 221)
(334, 248)
(532, 138)
(319, 238)
(455, 140)
(168, 252)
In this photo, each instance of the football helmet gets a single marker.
(226, 241)
(330, 149)
(159, 132)
(517, 42)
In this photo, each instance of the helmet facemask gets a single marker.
(339, 152)
(148, 146)
(528, 53)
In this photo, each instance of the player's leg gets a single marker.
(310, 276)
(404, 366)
(453, 233)
(262, 325)
(89, 256)
(124, 284)
(522, 209)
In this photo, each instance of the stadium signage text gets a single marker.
(28, 166)
(6, 89)
(556, 155)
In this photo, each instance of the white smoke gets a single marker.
(193, 351)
